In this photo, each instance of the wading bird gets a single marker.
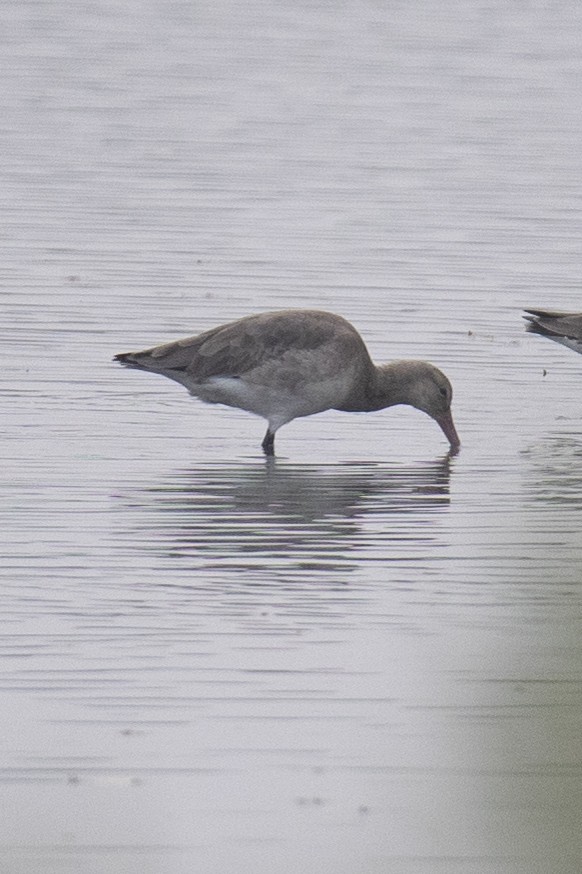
(294, 363)
(564, 328)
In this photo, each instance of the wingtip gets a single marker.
(532, 319)
(123, 358)
(531, 315)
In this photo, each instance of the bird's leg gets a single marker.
(268, 443)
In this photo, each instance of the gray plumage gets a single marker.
(295, 363)
(563, 328)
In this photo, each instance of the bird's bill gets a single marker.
(449, 430)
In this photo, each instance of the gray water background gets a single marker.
(366, 657)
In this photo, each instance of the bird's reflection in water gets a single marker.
(555, 475)
(305, 517)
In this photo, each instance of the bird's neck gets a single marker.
(386, 385)
(392, 384)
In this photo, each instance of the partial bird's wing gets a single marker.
(564, 328)
(239, 347)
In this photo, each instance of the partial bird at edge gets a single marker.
(562, 327)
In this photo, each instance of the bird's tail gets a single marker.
(130, 359)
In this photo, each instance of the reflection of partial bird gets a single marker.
(295, 363)
(307, 516)
(564, 328)
(554, 478)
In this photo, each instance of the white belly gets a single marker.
(276, 403)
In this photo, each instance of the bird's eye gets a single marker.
(443, 391)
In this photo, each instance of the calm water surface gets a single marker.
(365, 656)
